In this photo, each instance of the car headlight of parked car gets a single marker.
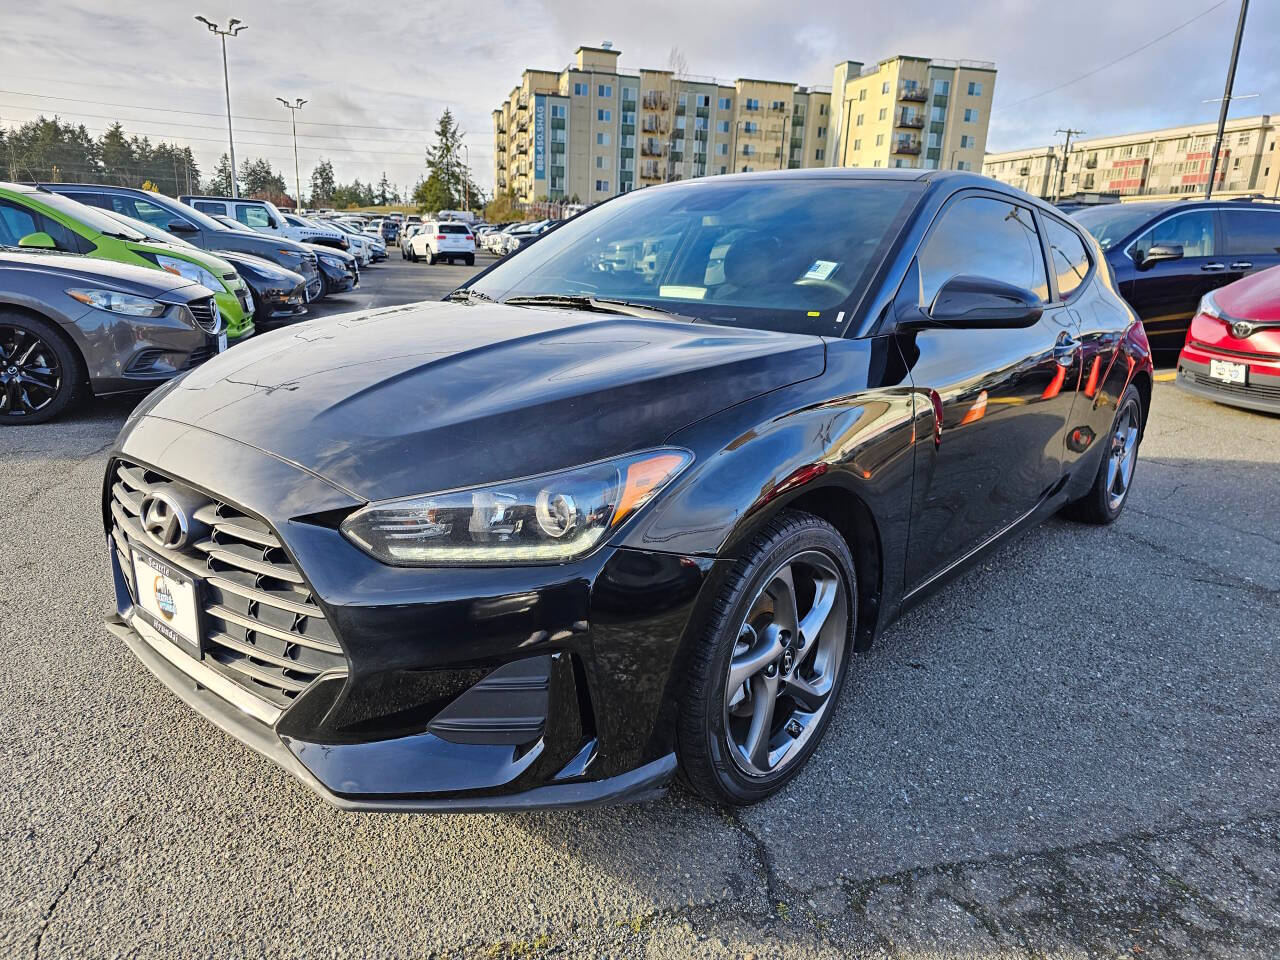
(192, 271)
(336, 262)
(550, 518)
(1209, 307)
(125, 303)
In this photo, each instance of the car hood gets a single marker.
(439, 395)
(122, 277)
(1255, 297)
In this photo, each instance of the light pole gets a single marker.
(466, 177)
(293, 109)
(1066, 158)
(1226, 99)
(234, 27)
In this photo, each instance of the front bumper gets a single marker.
(1261, 391)
(337, 278)
(463, 689)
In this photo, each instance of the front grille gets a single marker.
(1235, 389)
(1243, 354)
(206, 313)
(262, 627)
(198, 356)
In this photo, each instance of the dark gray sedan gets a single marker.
(71, 325)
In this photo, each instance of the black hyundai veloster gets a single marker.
(628, 503)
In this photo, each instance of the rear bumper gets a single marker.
(1261, 391)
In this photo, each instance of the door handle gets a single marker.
(1213, 266)
(1064, 350)
(1241, 265)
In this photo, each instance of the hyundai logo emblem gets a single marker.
(163, 520)
(1241, 330)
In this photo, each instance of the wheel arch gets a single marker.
(57, 323)
(1143, 381)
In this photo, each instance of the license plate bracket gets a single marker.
(1228, 372)
(169, 600)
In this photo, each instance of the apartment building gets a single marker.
(590, 131)
(1154, 164)
(911, 112)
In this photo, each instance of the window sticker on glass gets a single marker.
(683, 292)
(821, 270)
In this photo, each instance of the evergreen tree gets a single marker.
(385, 191)
(322, 184)
(219, 185)
(258, 179)
(449, 184)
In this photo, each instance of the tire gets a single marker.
(413, 255)
(41, 373)
(714, 734)
(471, 260)
(431, 257)
(1102, 504)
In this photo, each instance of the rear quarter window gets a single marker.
(1068, 257)
(1252, 232)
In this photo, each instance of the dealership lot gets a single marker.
(1071, 748)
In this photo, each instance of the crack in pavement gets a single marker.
(53, 906)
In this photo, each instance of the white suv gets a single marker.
(443, 241)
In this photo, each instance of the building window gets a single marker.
(858, 122)
(602, 139)
(604, 115)
(699, 123)
(748, 149)
(884, 112)
(879, 139)
(857, 144)
(935, 139)
(822, 131)
(942, 88)
(971, 116)
(628, 93)
(579, 89)
(680, 122)
(750, 127)
(938, 115)
(602, 162)
(876, 163)
(723, 126)
(818, 154)
(722, 149)
(702, 100)
(779, 105)
(753, 104)
(966, 142)
(602, 186)
(725, 103)
(605, 90)
(1243, 139)
(975, 88)
(557, 111)
(862, 94)
(884, 87)
(822, 109)
(963, 165)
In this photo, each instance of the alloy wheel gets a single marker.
(785, 663)
(1122, 456)
(30, 373)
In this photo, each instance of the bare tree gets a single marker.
(677, 62)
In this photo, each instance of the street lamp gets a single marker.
(234, 27)
(293, 109)
(466, 177)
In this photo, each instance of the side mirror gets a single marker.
(181, 226)
(1161, 251)
(38, 241)
(980, 303)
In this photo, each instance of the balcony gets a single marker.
(910, 90)
(656, 100)
(910, 145)
(1024, 171)
(703, 112)
(653, 148)
(910, 118)
(522, 123)
(1091, 163)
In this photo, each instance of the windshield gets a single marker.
(151, 232)
(774, 254)
(91, 217)
(230, 223)
(1112, 222)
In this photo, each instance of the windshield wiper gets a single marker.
(467, 295)
(593, 304)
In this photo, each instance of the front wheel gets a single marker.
(1110, 491)
(40, 373)
(766, 670)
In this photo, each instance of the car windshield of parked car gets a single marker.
(230, 223)
(152, 233)
(776, 254)
(91, 217)
(1112, 222)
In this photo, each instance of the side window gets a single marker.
(1067, 255)
(149, 212)
(211, 208)
(17, 222)
(251, 216)
(982, 237)
(1193, 231)
(1252, 232)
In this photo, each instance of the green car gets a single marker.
(34, 218)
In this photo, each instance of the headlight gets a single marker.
(1209, 306)
(125, 303)
(333, 261)
(192, 271)
(546, 519)
(297, 255)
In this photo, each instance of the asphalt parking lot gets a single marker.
(1071, 751)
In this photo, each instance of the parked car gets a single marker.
(1167, 255)
(389, 230)
(72, 325)
(443, 241)
(408, 233)
(1232, 353)
(364, 245)
(263, 216)
(34, 217)
(339, 270)
(279, 295)
(523, 234)
(604, 525)
(199, 229)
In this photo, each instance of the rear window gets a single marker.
(453, 228)
(1252, 232)
(1067, 256)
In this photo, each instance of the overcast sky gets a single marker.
(378, 74)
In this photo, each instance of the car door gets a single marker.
(1165, 292)
(1251, 239)
(1004, 395)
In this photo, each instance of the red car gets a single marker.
(1232, 353)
